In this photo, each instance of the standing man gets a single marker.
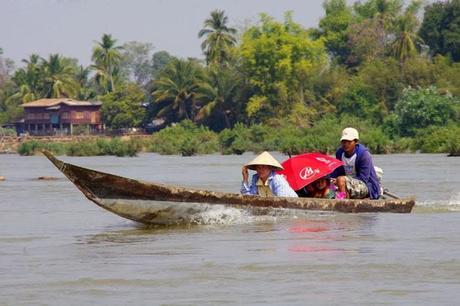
(356, 179)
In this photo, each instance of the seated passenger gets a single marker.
(265, 182)
(323, 189)
(356, 179)
(306, 192)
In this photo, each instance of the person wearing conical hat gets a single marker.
(266, 182)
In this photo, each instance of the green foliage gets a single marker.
(107, 57)
(123, 107)
(28, 147)
(406, 43)
(440, 28)
(135, 62)
(419, 72)
(420, 108)
(382, 80)
(185, 138)
(7, 132)
(176, 90)
(54, 77)
(435, 139)
(360, 102)
(160, 60)
(376, 140)
(446, 75)
(234, 141)
(366, 41)
(334, 27)
(218, 94)
(323, 136)
(404, 145)
(278, 59)
(219, 38)
(281, 87)
(33, 147)
(386, 10)
(83, 148)
(114, 146)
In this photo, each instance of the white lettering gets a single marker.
(307, 172)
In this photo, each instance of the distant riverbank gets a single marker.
(188, 139)
(30, 145)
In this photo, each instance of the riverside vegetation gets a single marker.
(188, 139)
(378, 65)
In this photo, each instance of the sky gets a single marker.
(71, 27)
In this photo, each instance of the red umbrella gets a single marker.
(304, 169)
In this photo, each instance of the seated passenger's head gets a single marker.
(321, 183)
(264, 164)
(349, 139)
(263, 170)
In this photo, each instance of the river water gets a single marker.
(57, 248)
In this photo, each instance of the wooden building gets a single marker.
(61, 117)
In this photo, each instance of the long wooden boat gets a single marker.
(152, 203)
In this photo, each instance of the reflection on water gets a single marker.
(58, 248)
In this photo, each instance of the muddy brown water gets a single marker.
(57, 248)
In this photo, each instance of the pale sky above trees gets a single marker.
(70, 27)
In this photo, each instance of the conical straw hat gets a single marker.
(264, 159)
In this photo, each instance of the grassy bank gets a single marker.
(93, 147)
(188, 139)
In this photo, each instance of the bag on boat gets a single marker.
(379, 172)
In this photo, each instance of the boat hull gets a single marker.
(139, 201)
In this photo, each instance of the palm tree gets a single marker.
(29, 80)
(107, 56)
(177, 87)
(218, 93)
(59, 77)
(405, 44)
(219, 38)
(86, 88)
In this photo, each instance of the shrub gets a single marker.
(376, 141)
(185, 138)
(234, 141)
(7, 132)
(33, 147)
(403, 144)
(420, 108)
(83, 148)
(439, 139)
(28, 148)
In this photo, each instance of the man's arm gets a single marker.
(364, 166)
(281, 187)
(245, 187)
(247, 190)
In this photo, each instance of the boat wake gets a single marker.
(220, 214)
(175, 213)
(451, 205)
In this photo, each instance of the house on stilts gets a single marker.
(62, 117)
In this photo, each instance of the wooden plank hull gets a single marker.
(141, 201)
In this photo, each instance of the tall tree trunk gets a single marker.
(227, 121)
(302, 95)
